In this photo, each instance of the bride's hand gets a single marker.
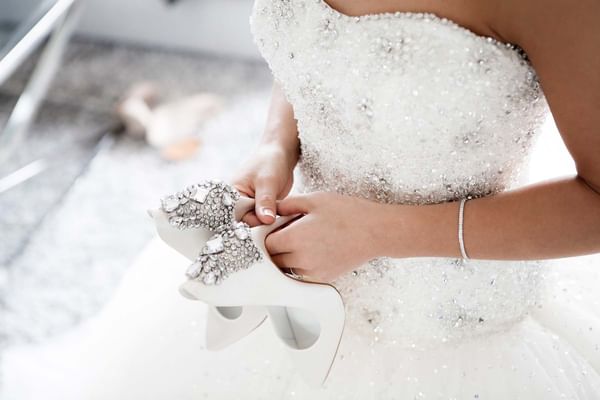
(336, 234)
(266, 176)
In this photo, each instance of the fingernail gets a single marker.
(268, 211)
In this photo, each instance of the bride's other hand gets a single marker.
(266, 176)
(336, 234)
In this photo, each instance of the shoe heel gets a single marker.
(308, 317)
(227, 325)
(224, 325)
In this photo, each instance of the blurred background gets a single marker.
(105, 106)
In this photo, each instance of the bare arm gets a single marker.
(281, 129)
(267, 174)
(547, 220)
(553, 219)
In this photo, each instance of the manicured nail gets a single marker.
(268, 211)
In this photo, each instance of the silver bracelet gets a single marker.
(461, 218)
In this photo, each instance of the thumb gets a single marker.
(265, 201)
(294, 204)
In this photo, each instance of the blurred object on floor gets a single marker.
(181, 150)
(173, 126)
(135, 109)
(181, 120)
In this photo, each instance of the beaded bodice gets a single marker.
(409, 108)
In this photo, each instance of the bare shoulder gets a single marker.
(522, 20)
(562, 40)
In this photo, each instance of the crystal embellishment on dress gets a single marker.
(209, 204)
(224, 253)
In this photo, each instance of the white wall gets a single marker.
(219, 26)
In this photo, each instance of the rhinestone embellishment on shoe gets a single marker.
(226, 252)
(209, 204)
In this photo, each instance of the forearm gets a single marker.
(552, 219)
(281, 129)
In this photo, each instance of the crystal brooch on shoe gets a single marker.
(224, 253)
(208, 204)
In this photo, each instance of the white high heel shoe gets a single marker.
(224, 325)
(234, 268)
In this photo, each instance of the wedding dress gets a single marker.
(399, 108)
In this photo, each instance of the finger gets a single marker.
(294, 204)
(291, 221)
(286, 260)
(244, 188)
(289, 260)
(304, 274)
(266, 194)
(281, 260)
(277, 242)
(251, 219)
(312, 275)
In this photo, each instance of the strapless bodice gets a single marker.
(409, 108)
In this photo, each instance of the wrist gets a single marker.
(418, 230)
(402, 231)
(288, 152)
(389, 228)
(382, 228)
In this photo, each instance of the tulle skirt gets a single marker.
(148, 343)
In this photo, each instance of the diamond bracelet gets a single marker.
(461, 219)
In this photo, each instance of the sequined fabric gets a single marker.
(409, 108)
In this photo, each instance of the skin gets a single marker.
(553, 219)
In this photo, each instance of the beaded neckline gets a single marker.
(424, 15)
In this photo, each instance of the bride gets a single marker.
(403, 117)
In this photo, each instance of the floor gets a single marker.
(68, 235)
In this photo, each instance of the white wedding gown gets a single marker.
(399, 108)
